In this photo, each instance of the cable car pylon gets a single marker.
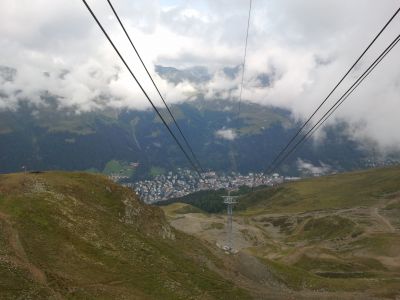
(230, 201)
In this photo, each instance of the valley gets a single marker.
(78, 235)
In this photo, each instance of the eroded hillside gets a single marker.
(74, 235)
(335, 236)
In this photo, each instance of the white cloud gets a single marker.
(309, 168)
(226, 134)
(302, 46)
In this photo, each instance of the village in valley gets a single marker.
(185, 181)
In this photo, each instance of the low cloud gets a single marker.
(226, 134)
(310, 169)
(297, 51)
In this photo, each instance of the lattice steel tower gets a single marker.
(230, 201)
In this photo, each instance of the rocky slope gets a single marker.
(74, 235)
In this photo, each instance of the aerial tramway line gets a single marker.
(229, 200)
(196, 166)
(286, 152)
(299, 136)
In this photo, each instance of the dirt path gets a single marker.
(20, 259)
(384, 221)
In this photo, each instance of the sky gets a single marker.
(297, 51)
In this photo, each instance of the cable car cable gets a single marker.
(332, 91)
(340, 101)
(141, 88)
(155, 85)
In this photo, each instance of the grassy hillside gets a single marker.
(337, 234)
(81, 236)
(362, 188)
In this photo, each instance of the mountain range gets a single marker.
(135, 143)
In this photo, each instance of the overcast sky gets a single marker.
(297, 51)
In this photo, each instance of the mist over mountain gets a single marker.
(51, 137)
(297, 51)
(195, 74)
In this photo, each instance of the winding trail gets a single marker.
(383, 220)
